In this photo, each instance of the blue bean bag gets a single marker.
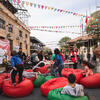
(56, 95)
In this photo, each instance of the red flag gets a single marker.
(86, 20)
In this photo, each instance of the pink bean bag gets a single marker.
(20, 90)
(53, 84)
(43, 69)
(77, 72)
(92, 81)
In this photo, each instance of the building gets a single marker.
(12, 29)
(35, 44)
(84, 44)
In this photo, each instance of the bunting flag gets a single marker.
(43, 7)
(9, 1)
(86, 20)
(55, 31)
(57, 27)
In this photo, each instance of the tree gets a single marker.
(63, 42)
(93, 27)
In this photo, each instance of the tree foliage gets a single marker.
(93, 26)
(63, 42)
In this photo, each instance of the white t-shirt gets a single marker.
(78, 90)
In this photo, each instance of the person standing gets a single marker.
(34, 58)
(74, 58)
(58, 61)
(40, 55)
(22, 55)
(88, 56)
(17, 67)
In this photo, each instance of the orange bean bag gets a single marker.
(43, 69)
(92, 81)
(20, 90)
(53, 84)
(77, 72)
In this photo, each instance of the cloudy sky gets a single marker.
(41, 17)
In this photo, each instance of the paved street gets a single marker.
(36, 95)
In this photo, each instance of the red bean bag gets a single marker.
(5, 75)
(29, 70)
(77, 72)
(43, 69)
(53, 84)
(92, 81)
(1, 82)
(20, 90)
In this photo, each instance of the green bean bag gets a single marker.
(38, 82)
(56, 95)
(48, 78)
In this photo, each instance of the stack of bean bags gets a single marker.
(53, 84)
(77, 72)
(43, 69)
(92, 81)
(20, 90)
(56, 95)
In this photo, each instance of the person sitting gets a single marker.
(30, 74)
(87, 69)
(72, 88)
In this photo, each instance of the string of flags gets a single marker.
(56, 31)
(51, 27)
(43, 7)
(56, 27)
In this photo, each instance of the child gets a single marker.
(72, 88)
(87, 70)
(17, 67)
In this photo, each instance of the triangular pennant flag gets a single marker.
(55, 9)
(14, 1)
(18, 1)
(42, 6)
(27, 3)
(34, 5)
(31, 4)
(9, 1)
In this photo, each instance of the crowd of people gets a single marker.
(57, 59)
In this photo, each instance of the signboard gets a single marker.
(4, 50)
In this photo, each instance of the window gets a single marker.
(20, 33)
(26, 35)
(26, 46)
(2, 23)
(20, 45)
(10, 28)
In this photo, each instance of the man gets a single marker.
(72, 88)
(17, 67)
(22, 55)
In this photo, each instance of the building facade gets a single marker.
(12, 29)
(35, 44)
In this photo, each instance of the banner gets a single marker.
(4, 50)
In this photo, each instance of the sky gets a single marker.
(41, 17)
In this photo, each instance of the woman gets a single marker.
(58, 61)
